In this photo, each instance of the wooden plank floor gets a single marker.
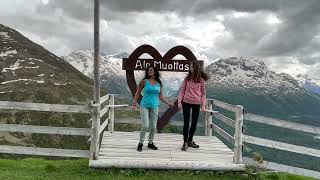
(119, 149)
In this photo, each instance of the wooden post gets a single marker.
(94, 147)
(111, 113)
(95, 138)
(237, 158)
(96, 52)
(208, 120)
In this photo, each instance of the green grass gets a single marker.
(34, 168)
(127, 114)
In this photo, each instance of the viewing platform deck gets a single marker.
(119, 149)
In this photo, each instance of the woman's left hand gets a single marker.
(203, 108)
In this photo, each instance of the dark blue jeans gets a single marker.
(188, 134)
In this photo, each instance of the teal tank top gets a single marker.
(151, 95)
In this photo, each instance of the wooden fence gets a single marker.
(239, 138)
(98, 111)
(7, 105)
(93, 132)
(236, 140)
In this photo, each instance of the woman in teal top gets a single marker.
(152, 92)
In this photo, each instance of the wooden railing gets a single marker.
(282, 123)
(284, 146)
(239, 138)
(107, 102)
(97, 128)
(281, 145)
(7, 105)
(236, 140)
(106, 105)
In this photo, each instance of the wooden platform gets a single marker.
(118, 149)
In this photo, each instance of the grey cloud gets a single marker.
(70, 22)
(117, 9)
(309, 53)
(315, 71)
(78, 9)
(245, 33)
(299, 26)
(309, 60)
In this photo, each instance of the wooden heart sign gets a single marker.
(165, 63)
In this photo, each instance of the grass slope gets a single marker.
(78, 169)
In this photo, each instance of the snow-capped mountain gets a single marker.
(251, 74)
(112, 75)
(83, 61)
(309, 83)
(251, 83)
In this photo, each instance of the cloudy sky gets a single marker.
(285, 34)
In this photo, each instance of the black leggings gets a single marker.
(188, 135)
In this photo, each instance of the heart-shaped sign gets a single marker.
(134, 57)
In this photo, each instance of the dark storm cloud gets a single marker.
(117, 9)
(163, 23)
(299, 27)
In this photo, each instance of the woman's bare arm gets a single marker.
(138, 93)
(163, 99)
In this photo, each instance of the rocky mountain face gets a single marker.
(251, 74)
(111, 74)
(251, 83)
(30, 73)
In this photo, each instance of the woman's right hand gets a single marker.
(179, 105)
(134, 107)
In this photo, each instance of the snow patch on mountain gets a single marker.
(4, 92)
(7, 53)
(4, 35)
(16, 80)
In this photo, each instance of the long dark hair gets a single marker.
(156, 74)
(197, 73)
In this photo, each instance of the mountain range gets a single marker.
(113, 78)
(246, 81)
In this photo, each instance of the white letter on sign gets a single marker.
(157, 63)
(138, 64)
